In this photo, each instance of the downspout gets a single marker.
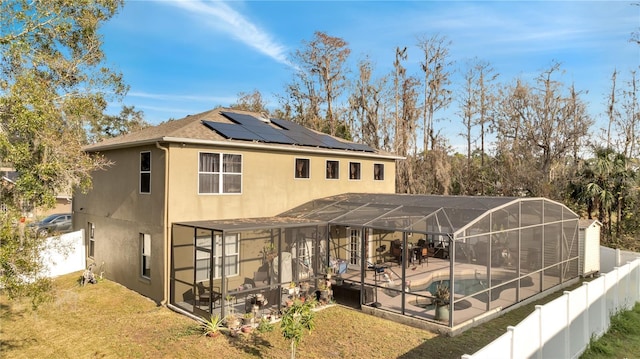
(167, 242)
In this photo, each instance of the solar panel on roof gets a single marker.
(271, 135)
(305, 136)
(244, 120)
(305, 139)
(232, 131)
(250, 128)
(310, 138)
(361, 147)
(287, 125)
(301, 134)
(331, 142)
(260, 128)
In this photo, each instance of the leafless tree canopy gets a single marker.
(521, 137)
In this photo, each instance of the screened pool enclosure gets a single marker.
(388, 253)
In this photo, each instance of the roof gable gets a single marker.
(586, 223)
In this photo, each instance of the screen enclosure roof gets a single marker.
(428, 214)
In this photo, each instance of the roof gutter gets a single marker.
(250, 145)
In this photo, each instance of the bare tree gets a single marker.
(406, 117)
(576, 111)
(542, 123)
(635, 35)
(477, 103)
(320, 81)
(437, 96)
(409, 114)
(251, 102)
(628, 121)
(398, 79)
(366, 105)
(485, 101)
(611, 107)
(301, 102)
(467, 113)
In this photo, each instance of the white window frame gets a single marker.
(232, 241)
(203, 258)
(353, 251)
(145, 172)
(203, 261)
(304, 254)
(145, 255)
(221, 173)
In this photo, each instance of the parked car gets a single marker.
(55, 223)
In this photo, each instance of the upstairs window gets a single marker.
(378, 171)
(145, 172)
(332, 169)
(354, 170)
(219, 173)
(302, 168)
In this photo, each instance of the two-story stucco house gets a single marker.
(216, 165)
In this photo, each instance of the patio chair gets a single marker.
(205, 294)
(396, 250)
(442, 251)
(422, 251)
(380, 253)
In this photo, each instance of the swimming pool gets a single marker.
(428, 304)
(471, 286)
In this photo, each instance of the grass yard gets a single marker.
(621, 341)
(106, 320)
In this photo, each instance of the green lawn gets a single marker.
(109, 321)
(621, 341)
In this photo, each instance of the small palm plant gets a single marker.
(442, 294)
(213, 326)
(442, 300)
(265, 326)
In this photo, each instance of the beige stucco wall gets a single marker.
(268, 183)
(120, 213)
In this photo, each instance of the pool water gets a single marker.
(426, 303)
(462, 286)
(471, 286)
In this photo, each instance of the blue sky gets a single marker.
(185, 57)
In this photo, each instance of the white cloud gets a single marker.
(219, 15)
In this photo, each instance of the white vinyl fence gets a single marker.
(563, 327)
(64, 254)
